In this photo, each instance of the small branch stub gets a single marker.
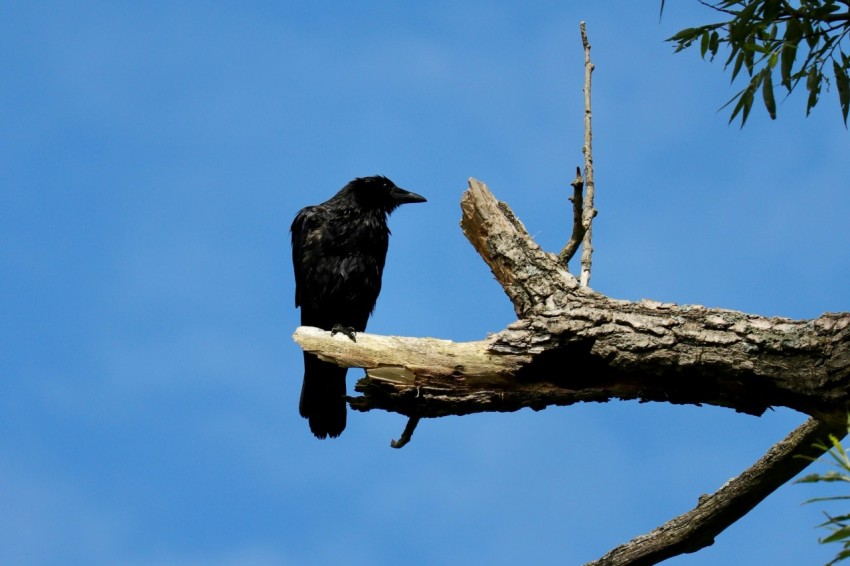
(578, 226)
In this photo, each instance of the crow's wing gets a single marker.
(306, 242)
(338, 257)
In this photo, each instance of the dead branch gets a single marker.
(697, 528)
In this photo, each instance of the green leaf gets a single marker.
(813, 82)
(687, 36)
(840, 534)
(733, 51)
(745, 100)
(748, 61)
(755, 47)
(810, 478)
(748, 12)
(839, 557)
(811, 34)
(738, 107)
(771, 9)
(767, 93)
(838, 520)
(837, 453)
(789, 53)
(793, 30)
(842, 82)
(714, 43)
(738, 62)
(768, 34)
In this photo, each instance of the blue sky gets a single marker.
(152, 158)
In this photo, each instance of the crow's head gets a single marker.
(380, 193)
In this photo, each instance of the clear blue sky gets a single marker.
(152, 157)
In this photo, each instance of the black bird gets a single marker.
(338, 252)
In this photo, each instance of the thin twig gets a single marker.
(589, 212)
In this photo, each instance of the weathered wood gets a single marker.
(402, 360)
(530, 276)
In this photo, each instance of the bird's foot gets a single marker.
(347, 330)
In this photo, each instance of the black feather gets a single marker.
(338, 252)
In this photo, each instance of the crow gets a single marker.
(338, 253)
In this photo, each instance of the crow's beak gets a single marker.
(400, 196)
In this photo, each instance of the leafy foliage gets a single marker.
(771, 39)
(839, 525)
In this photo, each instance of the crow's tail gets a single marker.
(323, 397)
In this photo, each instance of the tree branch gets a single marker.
(698, 527)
